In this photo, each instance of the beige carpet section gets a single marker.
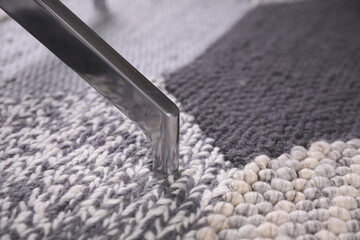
(308, 194)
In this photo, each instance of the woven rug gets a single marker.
(269, 94)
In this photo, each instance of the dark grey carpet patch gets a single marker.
(284, 75)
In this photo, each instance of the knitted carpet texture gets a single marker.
(156, 37)
(269, 148)
(283, 76)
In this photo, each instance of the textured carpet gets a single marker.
(269, 100)
(155, 36)
(283, 76)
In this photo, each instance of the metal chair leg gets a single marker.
(63, 33)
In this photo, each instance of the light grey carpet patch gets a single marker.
(74, 170)
(155, 36)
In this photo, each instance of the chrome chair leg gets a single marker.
(71, 40)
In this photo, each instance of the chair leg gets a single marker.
(71, 40)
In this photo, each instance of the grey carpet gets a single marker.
(285, 75)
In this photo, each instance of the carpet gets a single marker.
(269, 148)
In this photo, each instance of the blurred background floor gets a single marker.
(157, 37)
